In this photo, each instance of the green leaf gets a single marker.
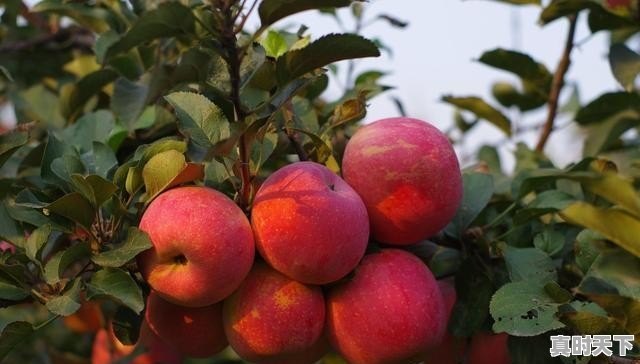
(129, 101)
(482, 110)
(586, 248)
(74, 207)
(67, 303)
(560, 8)
(169, 19)
(322, 52)
(524, 309)
(625, 65)
(200, 120)
(616, 225)
(117, 284)
(94, 17)
(619, 270)
(262, 149)
(273, 10)
(529, 264)
(137, 241)
(520, 64)
(13, 335)
(95, 189)
(474, 294)
(73, 101)
(60, 261)
(274, 44)
(549, 241)
(90, 128)
(104, 159)
(168, 169)
(54, 149)
(63, 167)
(11, 292)
(10, 142)
(605, 135)
(478, 189)
(545, 202)
(126, 325)
(36, 241)
(607, 105)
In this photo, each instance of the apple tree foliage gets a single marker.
(118, 101)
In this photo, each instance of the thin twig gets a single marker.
(557, 84)
(71, 37)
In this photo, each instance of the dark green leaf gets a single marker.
(67, 303)
(474, 294)
(199, 119)
(90, 85)
(10, 142)
(117, 284)
(129, 100)
(36, 241)
(549, 241)
(91, 127)
(104, 159)
(478, 189)
(524, 309)
(517, 63)
(273, 10)
(13, 335)
(95, 189)
(529, 264)
(59, 262)
(605, 135)
(53, 150)
(560, 8)
(482, 110)
(11, 292)
(74, 207)
(169, 19)
(137, 241)
(625, 65)
(126, 325)
(606, 106)
(322, 52)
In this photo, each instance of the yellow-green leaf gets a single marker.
(617, 190)
(168, 169)
(616, 225)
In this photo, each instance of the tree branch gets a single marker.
(557, 84)
(71, 37)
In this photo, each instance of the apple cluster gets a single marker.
(316, 283)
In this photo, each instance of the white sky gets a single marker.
(435, 56)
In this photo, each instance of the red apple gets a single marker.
(489, 348)
(194, 331)
(271, 317)
(308, 356)
(202, 246)
(407, 174)
(88, 318)
(309, 224)
(450, 350)
(390, 312)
